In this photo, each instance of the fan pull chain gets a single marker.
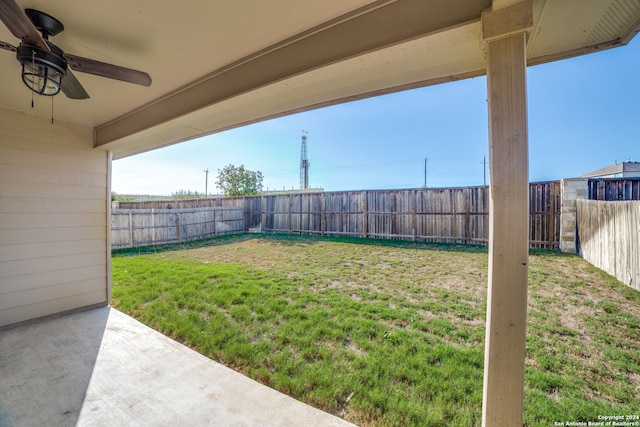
(33, 64)
(52, 108)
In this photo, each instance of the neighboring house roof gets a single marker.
(619, 169)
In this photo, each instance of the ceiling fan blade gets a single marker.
(72, 88)
(7, 46)
(20, 26)
(103, 69)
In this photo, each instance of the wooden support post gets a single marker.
(508, 215)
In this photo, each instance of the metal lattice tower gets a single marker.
(304, 163)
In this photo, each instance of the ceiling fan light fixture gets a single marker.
(42, 71)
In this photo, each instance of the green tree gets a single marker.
(238, 181)
(186, 194)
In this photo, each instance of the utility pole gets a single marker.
(206, 181)
(484, 168)
(426, 159)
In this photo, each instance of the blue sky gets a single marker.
(584, 114)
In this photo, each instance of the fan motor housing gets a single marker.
(45, 23)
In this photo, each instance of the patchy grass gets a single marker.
(388, 333)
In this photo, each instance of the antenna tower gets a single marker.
(304, 163)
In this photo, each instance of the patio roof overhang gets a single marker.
(219, 65)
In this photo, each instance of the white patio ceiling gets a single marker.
(220, 64)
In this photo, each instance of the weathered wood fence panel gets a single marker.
(614, 189)
(142, 227)
(609, 236)
(453, 215)
(544, 220)
(445, 215)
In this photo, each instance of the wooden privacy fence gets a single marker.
(453, 215)
(614, 189)
(141, 227)
(609, 237)
(445, 215)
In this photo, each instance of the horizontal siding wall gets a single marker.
(53, 211)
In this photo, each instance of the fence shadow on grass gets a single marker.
(287, 239)
(193, 244)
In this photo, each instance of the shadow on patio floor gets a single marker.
(101, 367)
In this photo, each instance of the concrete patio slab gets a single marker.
(103, 368)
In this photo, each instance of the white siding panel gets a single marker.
(71, 161)
(50, 205)
(33, 311)
(44, 219)
(10, 269)
(51, 175)
(47, 234)
(49, 249)
(14, 188)
(49, 278)
(50, 293)
(32, 134)
(53, 218)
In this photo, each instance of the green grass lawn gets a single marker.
(388, 333)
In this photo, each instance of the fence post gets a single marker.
(131, 229)
(153, 225)
(290, 214)
(215, 228)
(364, 214)
(322, 213)
(412, 210)
(178, 226)
(262, 214)
(553, 191)
(467, 216)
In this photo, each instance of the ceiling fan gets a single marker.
(45, 67)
